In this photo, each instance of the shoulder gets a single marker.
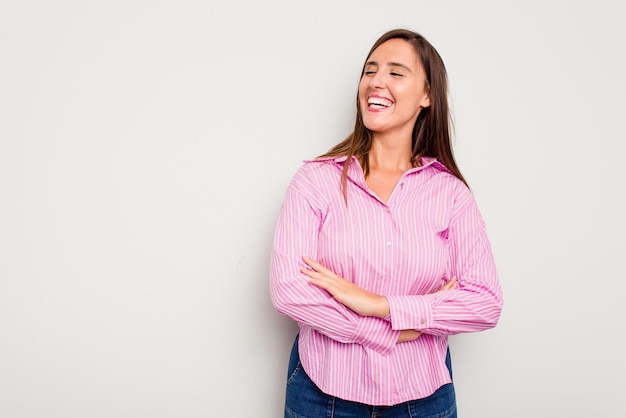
(440, 174)
(316, 175)
(318, 170)
(451, 191)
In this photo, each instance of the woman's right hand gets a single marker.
(449, 285)
(413, 334)
(408, 335)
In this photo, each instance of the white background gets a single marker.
(145, 148)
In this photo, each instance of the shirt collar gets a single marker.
(426, 162)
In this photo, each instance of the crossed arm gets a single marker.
(313, 295)
(359, 300)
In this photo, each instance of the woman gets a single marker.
(380, 251)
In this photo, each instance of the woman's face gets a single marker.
(392, 89)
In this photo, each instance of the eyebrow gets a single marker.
(393, 64)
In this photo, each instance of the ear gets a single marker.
(426, 100)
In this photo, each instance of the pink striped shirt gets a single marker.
(429, 230)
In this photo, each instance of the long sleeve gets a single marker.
(300, 220)
(477, 302)
(428, 230)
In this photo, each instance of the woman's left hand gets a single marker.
(352, 296)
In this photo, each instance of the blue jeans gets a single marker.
(305, 400)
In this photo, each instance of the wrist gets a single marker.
(382, 309)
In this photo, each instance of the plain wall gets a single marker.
(145, 148)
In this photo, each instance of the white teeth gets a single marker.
(378, 102)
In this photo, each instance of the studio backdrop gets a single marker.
(145, 149)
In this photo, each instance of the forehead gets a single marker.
(395, 50)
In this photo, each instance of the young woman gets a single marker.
(381, 253)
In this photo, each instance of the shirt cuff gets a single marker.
(410, 312)
(375, 334)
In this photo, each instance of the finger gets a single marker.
(307, 272)
(449, 285)
(316, 266)
(311, 263)
(312, 274)
(319, 279)
(323, 282)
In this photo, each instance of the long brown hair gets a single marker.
(431, 134)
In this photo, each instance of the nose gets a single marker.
(377, 81)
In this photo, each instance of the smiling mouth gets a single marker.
(378, 103)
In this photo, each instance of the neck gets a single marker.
(390, 153)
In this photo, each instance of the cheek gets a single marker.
(362, 89)
(412, 100)
(362, 101)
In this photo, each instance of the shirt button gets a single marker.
(388, 243)
(422, 321)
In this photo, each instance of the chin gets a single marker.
(374, 127)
